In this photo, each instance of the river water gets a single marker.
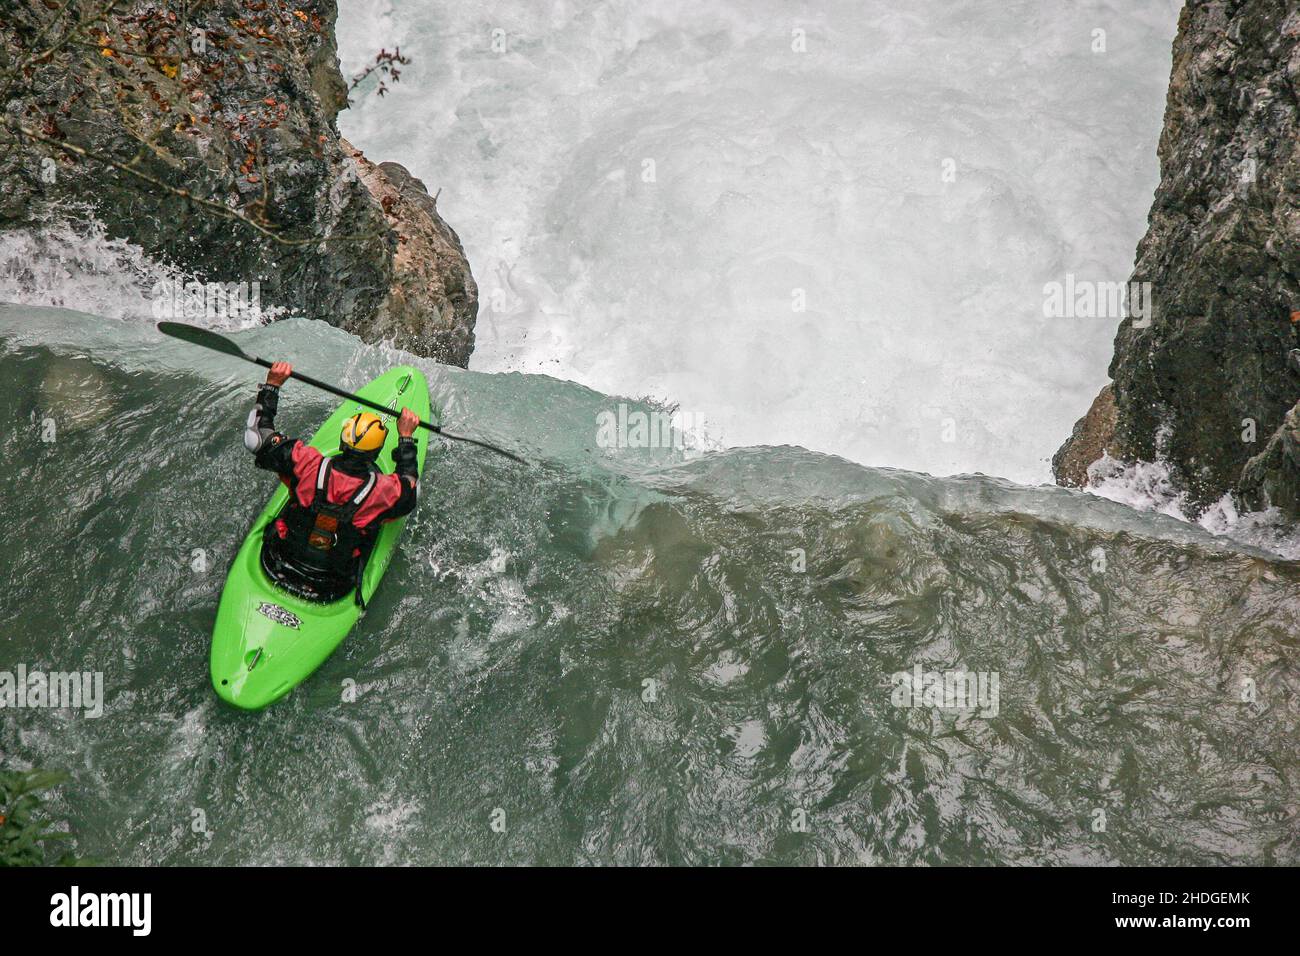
(625, 655)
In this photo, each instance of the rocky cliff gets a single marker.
(206, 135)
(1205, 386)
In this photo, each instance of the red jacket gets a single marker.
(382, 499)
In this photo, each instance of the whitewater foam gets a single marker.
(1149, 486)
(741, 209)
(71, 262)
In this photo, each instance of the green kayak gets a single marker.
(267, 641)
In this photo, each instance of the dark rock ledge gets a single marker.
(1222, 252)
(243, 115)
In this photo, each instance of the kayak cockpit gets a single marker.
(303, 582)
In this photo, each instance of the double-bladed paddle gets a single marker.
(208, 339)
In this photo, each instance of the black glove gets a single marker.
(406, 457)
(268, 396)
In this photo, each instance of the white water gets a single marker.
(1149, 486)
(73, 263)
(775, 171)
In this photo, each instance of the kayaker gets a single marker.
(318, 545)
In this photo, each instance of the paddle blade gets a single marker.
(205, 338)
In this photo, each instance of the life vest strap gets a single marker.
(322, 485)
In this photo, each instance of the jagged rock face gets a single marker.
(1222, 252)
(1089, 442)
(258, 126)
(1272, 478)
(433, 300)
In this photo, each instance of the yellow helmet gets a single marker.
(363, 432)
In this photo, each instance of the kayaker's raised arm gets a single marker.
(406, 466)
(260, 436)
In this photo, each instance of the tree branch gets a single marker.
(218, 208)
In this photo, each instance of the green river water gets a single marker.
(627, 656)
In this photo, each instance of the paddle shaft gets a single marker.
(436, 429)
(334, 390)
(206, 338)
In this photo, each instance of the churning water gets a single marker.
(825, 224)
(626, 655)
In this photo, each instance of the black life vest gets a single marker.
(321, 537)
